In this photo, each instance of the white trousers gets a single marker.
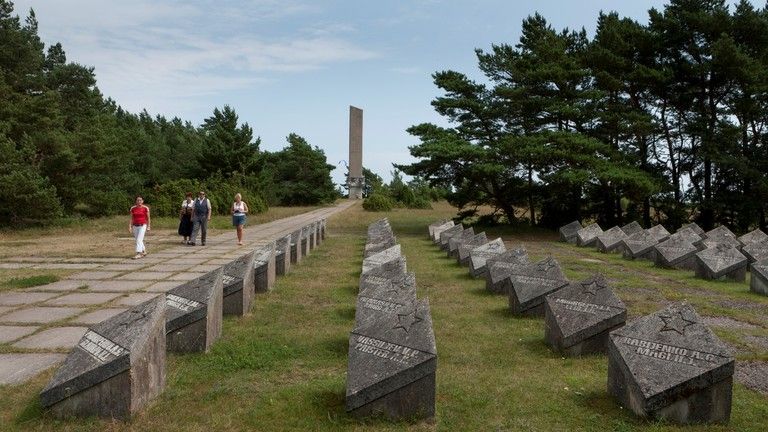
(138, 234)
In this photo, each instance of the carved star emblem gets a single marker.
(407, 320)
(592, 287)
(676, 322)
(546, 266)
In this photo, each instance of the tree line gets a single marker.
(67, 150)
(663, 122)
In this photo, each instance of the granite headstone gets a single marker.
(587, 236)
(237, 281)
(446, 235)
(631, 228)
(755, 236)
(693, 227)
(659, 233)
(466, 248)
(611, 240)
(675, 253)
(454, 242)
(721, 262)
(264, 263)
(756, 251)
(376, 260)
(480, 255)
(283, 255)
(295, 246)
(568, 233)
(639, 246)
(194, 313)
(758, 281)
(719, 236)
(529, 286)
(436, 231)
(499, 268)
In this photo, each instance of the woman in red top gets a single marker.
(139, 225)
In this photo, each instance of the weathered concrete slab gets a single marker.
(659, 233)
(194, 313)
(146, 276)
(754, 236)
(676, 253)
(381, 258)
(529, 286)
(631, 228)
(587, 236)
(501, 267)
(721, 262)
(436, 225)
(115, 369)
(264, 268)
(17, 368)
(52, 338)
(568, 233)
(480, 255)
(76, 299)
(163, 287)
(435, 233)
(454, 242)
(639, 245)
(670, 366)
(688, 234)
(756, 251)
(296, 247)
(135, 299)
(693, 227)
(98, 316)
(719, 236)
(611, 240)
(10, 333)
(382, 298)
(283, 255)
(758, 281)
(116, 286)
(238, 280)
(446, 235)
(579, 317)
(24, 298)
(60, 286)
(40, 314)
(465, 249)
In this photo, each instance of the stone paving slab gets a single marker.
(163, 286)
(166, 267)
(58, 286)
(135, 299)
(94, 275)
(220, 261)
(184, 276)
(149, 260)
(53, 338)
(14, 266)
(24, 298)
(67, 266)
(40, 314)
(123, 267)
(4, 309)
(191, 261)
(11, 333)
(120, 286)
(93, 260)
(75, 299)
(147, 276)
(204, 268)
(17, 368)
(97, 316)
(36, 259)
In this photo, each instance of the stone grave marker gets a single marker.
(305, 249)
(719, 236)
(384, 296)
(758, 281)
(379, 244)
(587, 236)
(659, 233)
(431, 228)
(283, 255)
(264, 268)
(579, 317)
(499, 268)
(670, 366)
(115, 370)
(318, 233)
(237, 281)
(529, 285)
(454, 242)
(381, 258)
(687, 234)
(480, 255)
(323, 227)
(755, 236)
(311, 230)
(391, 271)
(446, 235)
(756, 251)
(392, 365)
(631, 228)
(675, 253)
(194, 312)
(435, 233)
(568, 233)
(295, 246)
(721, 262)
(465, 249)
(611, 240)
(693, 227)
(639, 245)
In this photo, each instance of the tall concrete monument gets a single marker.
(355, 181)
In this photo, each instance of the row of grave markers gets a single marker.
(392, 350)
(119, 365)
(665, 365)
(716, 254)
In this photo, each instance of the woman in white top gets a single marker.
(239, 210)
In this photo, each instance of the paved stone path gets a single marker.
(40, 325)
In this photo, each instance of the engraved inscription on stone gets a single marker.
(380, 305)
(100, 348)
(228, 280)
(578, 306)
(181, 303)
(387, 350)
(671, 353)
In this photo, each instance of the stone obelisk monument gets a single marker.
(355, 181)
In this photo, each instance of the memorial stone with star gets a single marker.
(384, 296)
(758, 281)
(194, 312)
(611, 240)
(676, 253)
(568, 232)
(639, 245)
(721, 262)
(659, 233)
(529, 286)
(756, 236)
(693, 227)
(631, 228)
(499, 268)
(446, 235)
(376, 260)
(435, 232)
(454, 242)
(392, 365)
(466, 248)
(238, 281)
(687, 234)
(295, 246)
(756, 251)
(719, 236)
(283, 255)
(115, 370)
(264, 268)
(579, 317)
(479, 256)
(670, 366)
(587, 236)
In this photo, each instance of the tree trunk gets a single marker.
(531, 207)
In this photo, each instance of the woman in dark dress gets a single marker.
(185, 218)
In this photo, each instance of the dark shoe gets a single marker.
(190, 243)
(202, 243)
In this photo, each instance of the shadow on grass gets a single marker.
(31, 412)
(482, 292)
(337, 345)
(346, 312)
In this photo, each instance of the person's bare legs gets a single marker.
(240, 234)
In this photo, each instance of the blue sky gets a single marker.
(296, 65)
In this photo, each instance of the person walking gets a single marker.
(185, 218)
(239, 210)
(200, 218)
(139, 225)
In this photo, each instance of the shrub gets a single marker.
(378, 202)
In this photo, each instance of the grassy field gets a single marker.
(283, 367)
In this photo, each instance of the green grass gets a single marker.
(31, 281)
(283, 367)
